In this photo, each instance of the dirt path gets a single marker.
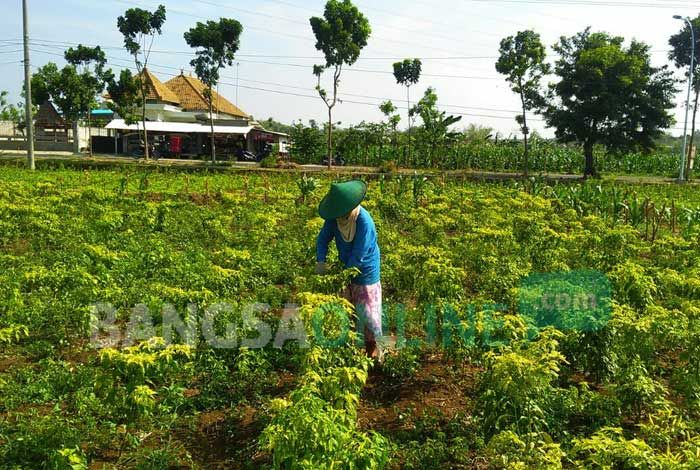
(107, 160)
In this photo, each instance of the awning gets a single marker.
(178, 127)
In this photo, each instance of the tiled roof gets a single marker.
(190, 91)
(157, 91)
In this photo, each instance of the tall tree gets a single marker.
(407, 73)
(341, 34)
(680, 55)
(65, 89)
(90, 62)
(522, 61)
(139, 28)
(216, 44)
(608, 94)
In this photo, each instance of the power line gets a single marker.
(315, 97)
(160, 66)
(601, 3)
(355, 102)
(305, 38)
(189, 53)
(350, 69)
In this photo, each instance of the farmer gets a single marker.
(356, 240)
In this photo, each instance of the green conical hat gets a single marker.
(342, 198)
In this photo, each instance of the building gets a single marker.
(177, 120)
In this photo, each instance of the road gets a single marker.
(354, 170)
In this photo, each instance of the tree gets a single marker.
(436, 123)
(522, 62)
(680, 55)
(407, 73)
(306, 142)
(216, 44)
(125, 96)
(341, 34)
(388, 109)
(65, 89)
(608, 94)
(90, 63)
(10, 112)
(139, 28)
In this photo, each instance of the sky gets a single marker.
(456, 39)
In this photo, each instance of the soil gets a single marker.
(439, 387)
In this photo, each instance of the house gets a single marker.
(177, 118)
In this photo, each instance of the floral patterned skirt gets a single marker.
(368, 305)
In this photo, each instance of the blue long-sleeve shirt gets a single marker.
(362, 252)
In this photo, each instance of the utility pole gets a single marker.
(681, 177)
(28, 90)
(237, 65)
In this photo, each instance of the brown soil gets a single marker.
(227, 439)
(439, 387)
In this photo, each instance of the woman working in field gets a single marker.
(356, 240)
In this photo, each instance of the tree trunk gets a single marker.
(692, 133)
(590, 163)
(408, 101)
(76, 136)
(526, 131)
(143, 116)
(211, 123)
(330, 137)
(90, 132)
(145, 131)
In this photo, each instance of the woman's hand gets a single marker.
(321, 268)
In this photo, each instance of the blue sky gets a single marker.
(458, 40)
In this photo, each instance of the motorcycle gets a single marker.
(338, 160)
(248, 156)
(153, 152)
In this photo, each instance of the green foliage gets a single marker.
(128, 377)
(216, 44)
(307, 185)
(125, 98)
(69, 237)
(407, 72)
(306, 143)
(436, 124)
(65, 88)
(139, 28)
(340, 34)
(519, 384)
(136, 25)
(508, 450)
(522, 61)
(269, 162)
(8, 111)
(316, 426)
(681, 44)
(600, 82)
(13, 333)
(402, 363)
(608, 448)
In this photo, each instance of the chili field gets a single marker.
(156, 319)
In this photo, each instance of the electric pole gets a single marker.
(237, 65)
(28, 90)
